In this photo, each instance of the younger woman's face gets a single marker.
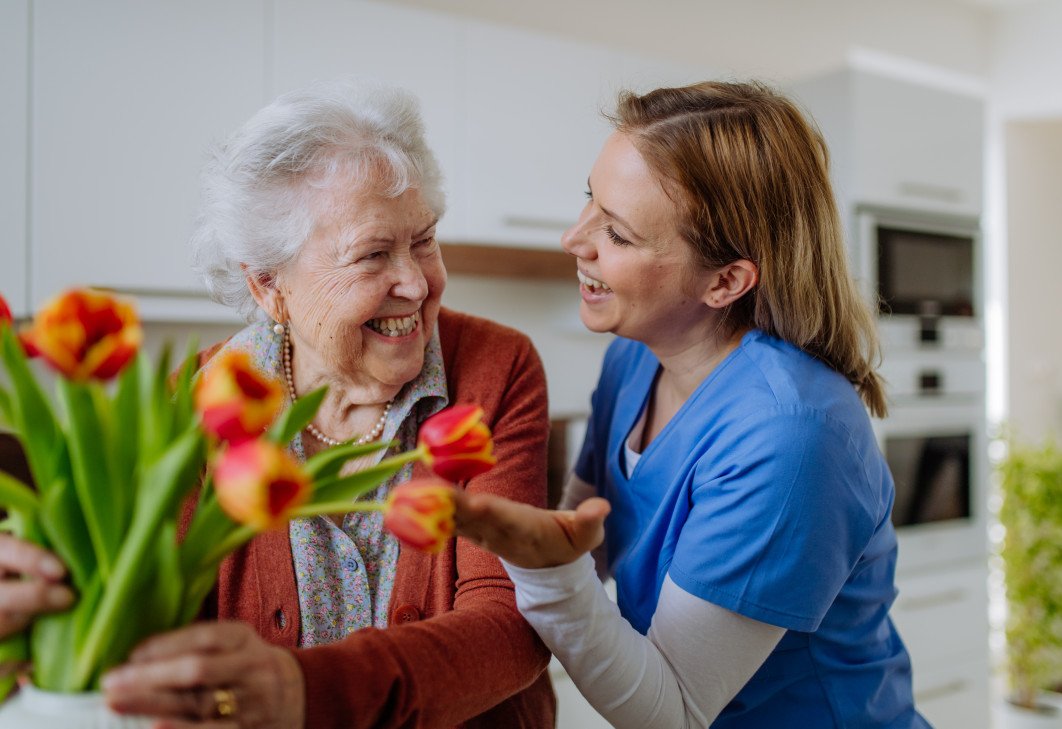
(638, 276)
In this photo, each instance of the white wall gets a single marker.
(1022, 221)
(1034, 245)
(1026, 59)
(776, 39)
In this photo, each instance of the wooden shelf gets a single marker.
(508, 262)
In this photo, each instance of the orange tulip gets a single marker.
(5, 312)
(421, 513)
(85, 334)
(456, 443)
(260, 484)
(235, 400)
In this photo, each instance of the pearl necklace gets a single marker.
(372, 435)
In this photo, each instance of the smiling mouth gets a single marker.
(592, 284)
(395, 326)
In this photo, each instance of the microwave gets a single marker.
(922, 272)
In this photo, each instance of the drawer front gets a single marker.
(954, 694)
(943, 614)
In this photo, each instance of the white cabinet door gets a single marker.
(14, 75)
(321, 40)
(533, 127)
(916, 146)
(127, 97)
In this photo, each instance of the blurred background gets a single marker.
(944, 119)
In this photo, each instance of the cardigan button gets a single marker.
(407, 614)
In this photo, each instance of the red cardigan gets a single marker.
(457, 652)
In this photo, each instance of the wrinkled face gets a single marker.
(638, 277)
(362, 295)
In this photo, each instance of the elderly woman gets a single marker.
(320, 213)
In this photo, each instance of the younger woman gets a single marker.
(748, 504)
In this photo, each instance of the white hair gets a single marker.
(257, 186)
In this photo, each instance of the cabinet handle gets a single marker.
(934, 600)
(523, 221)
(937, 692)
(940, 193)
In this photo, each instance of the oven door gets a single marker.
(934, 450)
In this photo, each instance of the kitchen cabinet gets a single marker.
(532, 128)
(14, 80)
(898, 144)
(534, 123)
(941, 617)
(127, 98)
(321, 40)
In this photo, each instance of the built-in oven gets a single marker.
(934, 449)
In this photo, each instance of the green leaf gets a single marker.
(63, 523)
(125, 426)
(171, 476)
(328, 463)
(17, 496)
(209, 524)
(54, 640)
(13, 649)
(295, 418)
(31, 413)
(159, 588)
(104, 500)
(6, 412)
(183, 394)
(348, 488)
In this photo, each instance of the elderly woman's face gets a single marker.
(363, 293)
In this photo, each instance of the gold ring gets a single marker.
(224, 703)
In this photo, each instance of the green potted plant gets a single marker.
(1030, 480)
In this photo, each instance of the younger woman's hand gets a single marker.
(528, 537)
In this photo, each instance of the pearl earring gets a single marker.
(278, 329)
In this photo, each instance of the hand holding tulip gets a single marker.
(528, 537)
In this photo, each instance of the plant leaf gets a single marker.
(171, 476)
(63, 523)
(295, 418)
(104, 501)
(31, 412)
(348, 488)
(328, 463)
(17, 496)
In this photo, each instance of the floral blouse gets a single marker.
(345, 573)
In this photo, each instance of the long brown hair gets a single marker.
(751, 178)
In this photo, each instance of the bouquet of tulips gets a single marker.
(115, 465)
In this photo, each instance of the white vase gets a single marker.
(31, 707)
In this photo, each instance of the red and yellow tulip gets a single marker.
(260, 484)
(421, 513)
(456, 443)
(236, 401)
(85, 334)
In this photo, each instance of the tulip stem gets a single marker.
(337, 507)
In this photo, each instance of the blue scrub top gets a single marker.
(766, 495)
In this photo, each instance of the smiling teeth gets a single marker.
(593, 284)
(395, 326)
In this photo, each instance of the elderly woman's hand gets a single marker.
(216, 675)
(30, 584)
(528, 537)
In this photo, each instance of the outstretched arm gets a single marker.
(695, 659)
